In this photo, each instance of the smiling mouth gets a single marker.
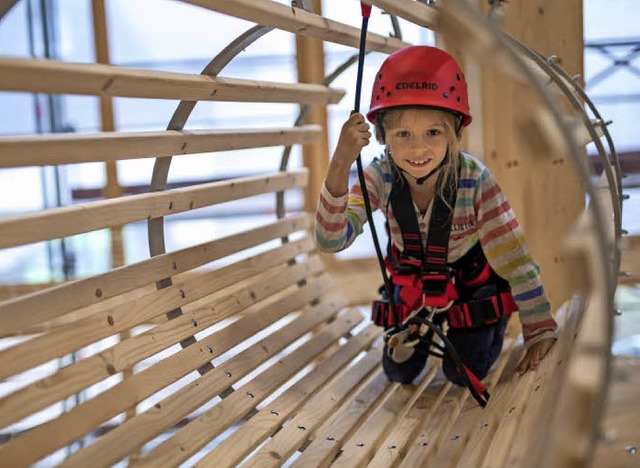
(419, 162)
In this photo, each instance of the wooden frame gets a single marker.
(247, 330)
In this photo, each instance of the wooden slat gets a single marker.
(77, 219)
(80, 420)
(126, 315)
(415, 12)
(194, 436)
(96, 289)
(392, 450)
(440, 421)
(423, 455)
(331, 435)
(244, 440)
(361, 446)
(77, 376)
(524, 395)
(314, 413)
(475, 416)
(55, 77)
(299, 21)
(74, 148)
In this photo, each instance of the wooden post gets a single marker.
(112, 188)
(543, 189)
(310, 62)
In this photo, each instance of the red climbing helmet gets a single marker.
(420, 76)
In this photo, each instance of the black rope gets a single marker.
(365, 193)
(451, 353)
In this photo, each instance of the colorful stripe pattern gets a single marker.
(482, 213)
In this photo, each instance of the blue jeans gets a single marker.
(478, 349)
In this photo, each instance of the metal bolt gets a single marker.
(193, 321)
(391, 447)
(174, 266)
(330, 439)
(210, 349)
(455, 437)
(182, 294)
(359, 444)
(301, 427)
(274, 412)
(424, 444)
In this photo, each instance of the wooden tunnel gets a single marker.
(243, 349)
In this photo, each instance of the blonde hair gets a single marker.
(449, 171)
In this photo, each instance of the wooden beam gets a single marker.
(310, 59)
(112, 187)
(54, 77)
(298, 21)
(115, 146)
(77, 219)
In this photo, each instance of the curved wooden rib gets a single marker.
(54, 77)
(77, 219)
(299, 21)
(114, 146)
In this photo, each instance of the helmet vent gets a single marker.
(458, 76)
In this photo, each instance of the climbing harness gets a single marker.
(409, 323)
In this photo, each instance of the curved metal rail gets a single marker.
(560, 78)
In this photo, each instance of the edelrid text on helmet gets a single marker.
(420, 76)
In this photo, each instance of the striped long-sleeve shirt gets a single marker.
(482, 213)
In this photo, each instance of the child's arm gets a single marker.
(354, 136)
(339, 215)
(503, 242)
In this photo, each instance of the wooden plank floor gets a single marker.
(360, 280)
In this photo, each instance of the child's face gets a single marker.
(416, 139)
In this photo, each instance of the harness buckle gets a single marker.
(434, 283)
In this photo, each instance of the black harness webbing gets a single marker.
(433, 261)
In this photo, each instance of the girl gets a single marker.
(431, 194)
